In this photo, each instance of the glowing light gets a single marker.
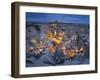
(72, 53)
(50, 36)
(55, 33)
(81, 49)
(33, 41)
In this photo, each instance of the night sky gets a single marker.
(51, 17)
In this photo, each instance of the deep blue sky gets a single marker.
(50, 17)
